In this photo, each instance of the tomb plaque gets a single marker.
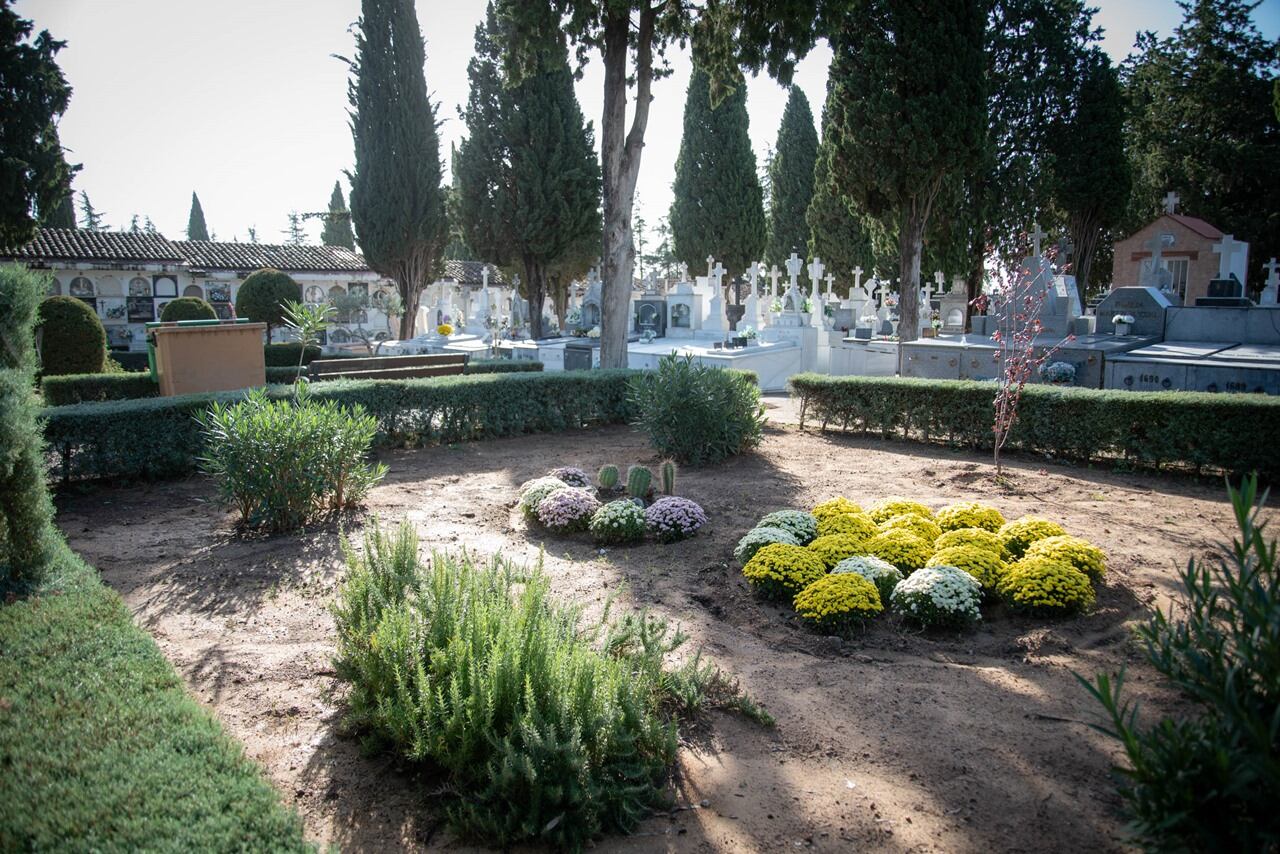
(1146, 305)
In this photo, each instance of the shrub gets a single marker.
(887, 508)
(939, 597)
(72, 340)
(834, 548)
(923, 527)
(985, 566)
(607, 478)
(1045, 586)
(262, 297)
(798, 523)
(474, 669)
(572, 476)
(1081, 554)
(781, 571)
(287, 355)
(837, 603)
(67, 389)
(567, 509)
(697, 414)
(282, 462)
(858, 524)
(979, 537)
(884, 575)
(501, 366)
(1017, 535)
(905, 550)
(969, 514)
(835, 507)
(757, 538)
(533, 491)
(1207, 780)
(671, 518)
(286, 376)
(619, 521)
(187, 308)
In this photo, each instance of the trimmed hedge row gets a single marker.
(158, 437)
(1196, 429)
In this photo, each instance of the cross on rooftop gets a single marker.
(1171, 202)
(1036, 236)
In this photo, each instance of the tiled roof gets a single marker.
(472, 273)
(75, 244)
(1199, 226)
(208, 255)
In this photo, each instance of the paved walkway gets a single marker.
(781, 408)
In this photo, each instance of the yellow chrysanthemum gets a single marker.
(1021, 533)
(780, 571)
(836, 602)
(977, 537)
(1043, 585)
(834, 548)
(985, 566)
(859, 524)
(1081, 554)
(969, 514)
(894, 506)
(834, 507)
(905, 550)
(923, 527)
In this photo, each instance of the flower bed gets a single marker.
(935, 569)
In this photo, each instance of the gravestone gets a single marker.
(684, 311)
(715, 322)
(951, 308)
(818, 316)
(1147, 306)
(1271, 293)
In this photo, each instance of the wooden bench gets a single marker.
(388, 367)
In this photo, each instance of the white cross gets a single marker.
(1227, 249)
(711, 260)
(1156, 245)
(716, 273)
(1273, 277)
(753, 273)
(1171, 202)
(830, 282)
(794, 266)
(857, 277)
(1036, 236)
(816, 269)
(484, 273)
(940, 279)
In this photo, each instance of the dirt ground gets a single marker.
(895, 740)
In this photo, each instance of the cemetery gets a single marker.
(845, 508)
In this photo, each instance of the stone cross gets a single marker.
(830, 283)
(684, 272)
(1151, 271)
(816, 268)
(484, 274)
(716, 274)
(1171, 202)
(1227, 249)
(774, 275)
(752, 313)
(1271, 293)
(753, 274)
(857, 277)
(794, 266)
(1036, 236)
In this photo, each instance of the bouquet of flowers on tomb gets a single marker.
(445, 329)
(574, 317)
(1122, 318)
(807, 306)
(891, 300)
(747, 332)
(775, 306)
(1058, 373)
(593, 332)
(935, 319)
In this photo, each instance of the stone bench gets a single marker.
(389, 367)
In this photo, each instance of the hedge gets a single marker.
(502, 366)
(286, 355)
(158, 437)
(81, 388)
(1190, 429)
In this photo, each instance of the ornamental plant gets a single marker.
(924, 528)
(620, 521)
(757, 538)
(979, 537)
(571, 476)
(567, 509)
(858, 524)
(1081, 554)
(905, 550)
(838, 603)
(886, 508)
(985, 566)
(834, 548)
(803, 526)
(939, 597)
(779, 571)
(672, 518)
(1018, 535)
(834, 507)
(72, 338)
(1045, 586)
(969, 514)
(607, 477)
(533, 491)
(884, 575)
(445, 329)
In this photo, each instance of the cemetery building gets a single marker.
(1177, 254)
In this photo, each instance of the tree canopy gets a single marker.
(791, 179)
(196, 228)
(337, 225)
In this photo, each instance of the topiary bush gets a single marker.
(620, 521)
(72, 340)
(834, 548)
(1042, 585)
(858, 524)
(1017, 535)
(969, 514)
(905, 550)
(838, 603)
(262, 297)
(187, 308)
(1081, 554)
(884, 575)
(985, 566)
(939, 597)
(800, 524)
(780, 571)
(757, 538)
(697, 414)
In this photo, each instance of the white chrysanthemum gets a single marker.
(939, 596)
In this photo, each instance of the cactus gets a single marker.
(639, 480)
(667, 474)
(607, 477)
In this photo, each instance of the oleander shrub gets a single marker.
(187, 308)
(1081, 554)
(838, 603)
(798, 523)
(567, 509)
(263, 296)
(472, 667)
(886, 508)
(757, 538)
(1206, 780)
(884, 575)
(923, 527)
(834, 548)
(857, 524)
(281, 463)
(697, 414)
(985, 566)
(905, 550)
(672, 518)
(835, 507)
(571, 476)
(72, 339)
(969, 514)
(617, 522)
(288, 354)
(1019, 534)
(979, 537)
(778, 571)
(1042, 585)
(939, 597)
(68, 389)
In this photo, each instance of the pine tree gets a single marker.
(397, 203)
(149, 227)
(791, 179)
(296, 233)
(196, 228)
(337, 225)
(253, 234)
(91, 218)
(718, 209)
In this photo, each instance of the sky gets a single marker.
(243, 102)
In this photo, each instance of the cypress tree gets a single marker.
(196, 228)
(337, 225)
(482, 162)
(397, 204)
(718, 209)
(63, 215)
(791, 179)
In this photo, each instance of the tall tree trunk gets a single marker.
(535, 286)
(1085, 233)
(910, 246)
